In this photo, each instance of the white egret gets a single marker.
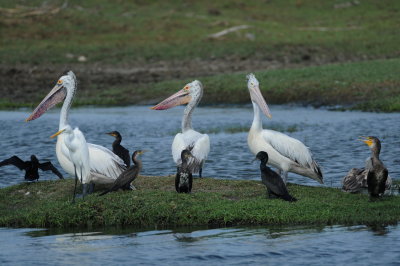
(78, 150)
(285, 153)
(197, 143)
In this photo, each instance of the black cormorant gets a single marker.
(118, 149)
(126, 178)
(184, 179)
(275, 186)
(31, 167)
(374, 176)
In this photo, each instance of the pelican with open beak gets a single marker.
(189, 139)
(105, 166)
(285, 153)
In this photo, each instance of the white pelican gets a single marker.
(285, 153)
(79, 154)
(105, 166)
(197, 143)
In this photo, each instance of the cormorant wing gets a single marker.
(274, 182)
(48, 166)
(126, 157)
(16, 161)
(123, 179)
(355, 180)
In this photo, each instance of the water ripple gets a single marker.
(331, 136)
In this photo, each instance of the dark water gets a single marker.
(357, 245)
(331, 136)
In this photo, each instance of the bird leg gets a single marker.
(84, 190)
(284, 176)
(200, 171)
(91, 188)
(76, 181)
(84, 187)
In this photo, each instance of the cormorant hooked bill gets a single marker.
(184, 179)
(126, 178)
(275, 186)
(118, 149)
(31, 167)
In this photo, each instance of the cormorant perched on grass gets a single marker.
(184, 179)
(31, 167)
(126, 178)
(276, 188)
(375, 175)
(118, 149)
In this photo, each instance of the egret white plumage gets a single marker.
(105, 166)
(199, 143)
(79, 154)
(285, 153)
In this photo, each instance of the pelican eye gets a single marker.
(186, 88)
(59, 81)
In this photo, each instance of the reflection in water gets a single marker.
(300, 245)
(331, 137)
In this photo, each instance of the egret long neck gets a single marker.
(187, 116)
(65, 107)
(257, 121)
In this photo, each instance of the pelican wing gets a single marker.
(201, 148)
(198, 144)
(289, 147)
(105, 162)
(178, 145)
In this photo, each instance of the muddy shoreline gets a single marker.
(23, 82)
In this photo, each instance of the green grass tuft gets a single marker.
(212, 202)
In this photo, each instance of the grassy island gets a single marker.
(212, 202)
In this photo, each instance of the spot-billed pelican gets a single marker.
(184, 178)
(276, 188)
(79, 154)
(374, 176)
(105, 166)
(118, 149)
(199, 143)
(285, 153)
(127, 177)
(31, 167)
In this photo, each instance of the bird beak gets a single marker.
(58, 133)
(143, 151)
(179, 98)
(252, 161)
(366, 140)
(56, 95)
(111, 134)
(256, 96)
